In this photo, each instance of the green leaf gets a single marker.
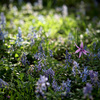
(16, 55)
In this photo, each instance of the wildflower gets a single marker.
(3, 20)
(8, 97)
(67, 59)
(1, 35)
(19, 37)
(81, 50)
(75, 68)
(93, 76)
(87, 90)
(85, 74)
(42, 85)
(49, 73)
(66, 85)
(39, 65)
(24, 59)
(51, 53)
(55, 86)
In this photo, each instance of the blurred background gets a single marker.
(91, 6)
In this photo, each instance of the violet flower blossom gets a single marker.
(81, 50)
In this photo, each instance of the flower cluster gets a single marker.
(19, 37)
(85, 74)
(3, 20)
(49, 73)
(55, 86)
(32, 36)
(87, 91)
(64, 88)
(93, 76)
(41, 85)
(67, 59)
(24, 59)
(75, 68)
(1, 35)
(51, 53)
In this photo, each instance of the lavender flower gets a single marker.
(66, 86)
(32, 35)
(81, 50)
(94, 46)
(55, 86)
(93, 76)
(19, 37)
(41, 54)
(49, 73)
(41, 85)
(3, 20)
(85, 74)
(67, 59)
(75, 68)
(51, 53)
(8, 97)
(87, 90)
(39, 66)
(1, 35)
(24, 59)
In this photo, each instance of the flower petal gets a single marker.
(78, 50)
(76, 45)
(80, 54)
(81, 45)
(85, 52)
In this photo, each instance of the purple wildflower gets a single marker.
(41, 85)
(87, 90)
(55, 86)
(49, 73)
(85, 74)
(3, 19)
(39, 66)
(81, 50)
(1, 35)
(75, 68)
(19, 37)
(93, 76)
(51, 53)
(67, 59)
(24, 59)
(8, 97)
(66, 85)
